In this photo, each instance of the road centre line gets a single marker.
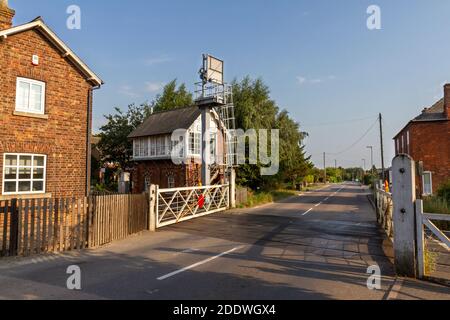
(320, 203)
(198, 264)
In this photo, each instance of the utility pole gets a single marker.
(324, 168)
(371, 157)
(382, 146)
(364, 162)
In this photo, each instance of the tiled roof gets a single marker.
(435, 112)
(167, 122)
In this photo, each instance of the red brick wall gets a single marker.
(430, 143)
(158, 171)
(62, 137)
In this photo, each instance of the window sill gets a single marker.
(26, 196)
(31, 115)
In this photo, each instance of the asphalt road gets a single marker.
(318, 245)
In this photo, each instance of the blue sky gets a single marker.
(319, 59)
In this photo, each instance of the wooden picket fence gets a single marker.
(117, 217)
(33, 226)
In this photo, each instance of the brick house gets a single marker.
(153, 143)
(45, 113)
(426, 138)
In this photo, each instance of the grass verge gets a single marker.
(263, 197)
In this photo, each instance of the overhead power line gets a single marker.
(335, 122)
(357, 141)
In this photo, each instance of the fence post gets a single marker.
(152, 207)
(420, 240)
(232, 189)
(14, 229)
(404, 196)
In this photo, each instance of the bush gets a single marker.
(263, 197)
(444, 192)
(438, 205)
(367, 179)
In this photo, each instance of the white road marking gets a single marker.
(198, 264)
(320, 203)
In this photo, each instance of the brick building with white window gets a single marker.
(45, 113)
(426, 138)
(153, 144)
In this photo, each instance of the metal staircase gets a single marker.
(221, 96)
(215, 95)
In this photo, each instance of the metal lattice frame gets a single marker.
(384, 211)
(181, 204)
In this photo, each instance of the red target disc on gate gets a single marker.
(201, 201)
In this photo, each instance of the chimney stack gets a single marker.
(6, 15)
(447, 101)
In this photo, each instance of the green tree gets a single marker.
(114, 143)
(294, 165)
(173, 97)
(254, 109)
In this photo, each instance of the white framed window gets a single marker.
(147, 182)
(24, 173)
(194, 143)
(160, 146)
(152, 146)
(177, 146)
(213, 147)
(407, 141)
(30, 96)
(427, 182)
(402, 145)
(171, 181)
(135, 149)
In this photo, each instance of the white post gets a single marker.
(206, 147)
(232, 188)
(420, 240)
(404, 196)
(152, 211)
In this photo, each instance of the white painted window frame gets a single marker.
(17, 180)
(402, 144)
(195, 145)
(171, 181)
(431, 183)
(407, 141)
(30, 82)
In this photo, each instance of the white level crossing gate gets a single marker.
(181, 204)
(426, 220)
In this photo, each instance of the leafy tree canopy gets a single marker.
(255, 109)
(114, 144)
(173, 97)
